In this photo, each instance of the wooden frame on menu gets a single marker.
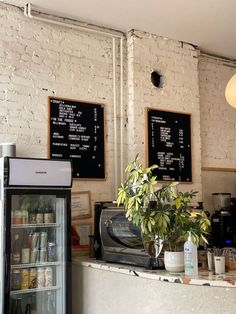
(81, 204)
(147, 138)
(80, 232)
(99, 168)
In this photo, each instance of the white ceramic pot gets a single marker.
(174, 261)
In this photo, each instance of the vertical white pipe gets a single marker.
(114, 112)
(28, 12)
(121, 114)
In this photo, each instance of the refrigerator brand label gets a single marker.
(39, 172)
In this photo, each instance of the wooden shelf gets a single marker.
(219, 169)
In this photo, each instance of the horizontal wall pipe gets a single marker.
(28, 13)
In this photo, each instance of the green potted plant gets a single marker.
(163, 214)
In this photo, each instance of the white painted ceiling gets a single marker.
(208, 24)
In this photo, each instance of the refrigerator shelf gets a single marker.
(32, 265)
(34, 290)
(21, 226)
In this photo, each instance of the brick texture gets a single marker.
(38, 60)
(218, 118)
(178, 64)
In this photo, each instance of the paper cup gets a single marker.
(219, 264)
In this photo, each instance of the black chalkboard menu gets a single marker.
(169, 145)
(76, 132)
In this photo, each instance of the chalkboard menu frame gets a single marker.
(173, 130)
(90, 168)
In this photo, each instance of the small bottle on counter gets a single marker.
(190, 258)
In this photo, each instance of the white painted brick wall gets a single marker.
(218, 118)
(38, 60)
(178, 64)
(218, 127)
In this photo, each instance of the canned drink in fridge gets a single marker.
(24, 283)
(34, 256)
(42, 255)
(48, 277)
(25, 255)
(15, 279)
(43, 240)
(51, 252)
(35, 240)
(33, 278)
(40, 277)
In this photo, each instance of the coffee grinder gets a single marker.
(223, 221)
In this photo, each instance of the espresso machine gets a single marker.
(223, 221)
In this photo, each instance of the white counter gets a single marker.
(105, 288)
(204, 278)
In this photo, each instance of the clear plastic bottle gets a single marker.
(25, 251)
(18, 309)
(190, 258)
(49, 306)
(13, 306)
(16, 252)
(28, 309)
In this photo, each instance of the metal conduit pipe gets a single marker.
(114, 111)
(28, 13)
(121, 115)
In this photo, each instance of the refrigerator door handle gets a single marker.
(6, 294)
(7, 272)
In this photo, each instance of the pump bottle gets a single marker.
(190, 258)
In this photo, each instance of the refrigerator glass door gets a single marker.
(38, 251)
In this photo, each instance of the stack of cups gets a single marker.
(7, 149)
(216, 261)
(210, 260)
(219, 264)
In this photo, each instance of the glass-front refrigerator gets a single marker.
(35, 236)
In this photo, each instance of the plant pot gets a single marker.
(174, 261)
